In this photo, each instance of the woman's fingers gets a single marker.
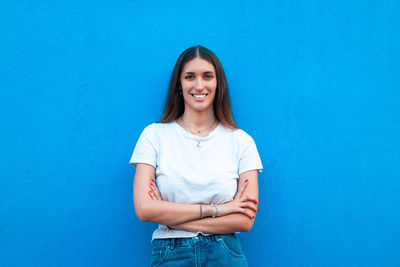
(248, 213)
(155, 191)
(151, 194)
(249, 205)
(241, 190)
(250, 198)
(158, 195)
(154, 195)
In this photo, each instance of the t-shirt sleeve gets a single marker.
(249, 159)
(146, 148)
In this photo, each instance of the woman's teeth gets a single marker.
(200, 96)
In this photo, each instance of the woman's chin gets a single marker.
(200, 109)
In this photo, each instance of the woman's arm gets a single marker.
(155, 210)
(236, 222)
(222, 225)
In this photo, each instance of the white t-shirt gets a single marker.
(192, 169)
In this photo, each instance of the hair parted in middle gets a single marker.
(175, 105)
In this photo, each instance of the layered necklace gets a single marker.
(189, 127)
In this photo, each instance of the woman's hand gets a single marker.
(246, 205)
(153, 191)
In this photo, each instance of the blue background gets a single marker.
(315, 83)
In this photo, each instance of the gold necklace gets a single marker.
(190, 128)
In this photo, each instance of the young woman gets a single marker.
(196, 172)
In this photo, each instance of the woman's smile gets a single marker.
(200, 97)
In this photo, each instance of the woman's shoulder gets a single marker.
(242, 136)
(239, 133)
(157, 128)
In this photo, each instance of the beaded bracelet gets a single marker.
(216, 208)
(212, 205)
(201, 210)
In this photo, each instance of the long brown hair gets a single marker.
(175, 105)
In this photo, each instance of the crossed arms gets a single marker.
(234, 216)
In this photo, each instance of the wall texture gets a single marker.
(316, 84)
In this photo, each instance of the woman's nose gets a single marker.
(199, 83)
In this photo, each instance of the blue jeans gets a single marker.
(212, 250)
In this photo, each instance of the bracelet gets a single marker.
(201, 210)
(216, 208)
(212, 205)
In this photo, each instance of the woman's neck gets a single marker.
(198, 120)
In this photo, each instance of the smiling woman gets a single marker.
(196, 172)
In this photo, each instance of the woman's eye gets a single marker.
(188, 77)
(209, 76)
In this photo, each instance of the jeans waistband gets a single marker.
(174, 242)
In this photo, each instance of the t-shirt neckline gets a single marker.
(196, 137)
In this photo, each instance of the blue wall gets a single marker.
(316, 83)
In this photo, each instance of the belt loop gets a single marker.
(173, 243)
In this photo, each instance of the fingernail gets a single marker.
(253, 217)
(259, 201)
(246, 181)
(258, 210)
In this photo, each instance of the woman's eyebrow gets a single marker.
(191, 72)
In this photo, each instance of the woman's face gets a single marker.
(199, 83)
